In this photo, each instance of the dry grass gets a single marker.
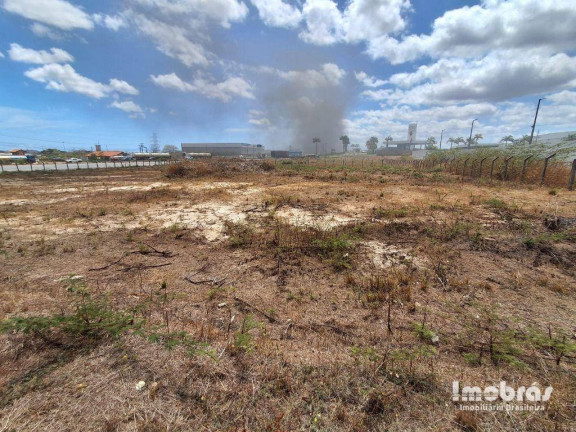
(305, 297)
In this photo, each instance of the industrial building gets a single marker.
(226, 149)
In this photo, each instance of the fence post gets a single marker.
(572, 175)
(78, 165)
(524, 167)
(55, 166)
(105, 163)
(31, 169)
(481, 163)
(492, 167)
(1, 166)
(67, 166)
(546, 167)
(43, 166)
(464, 167)
(506, 162)
(114, 163)
(97, 166)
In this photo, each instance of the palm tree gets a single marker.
(456, 141)
(431, 143)
(388, 139)
(316, 141)
(372, 144)
(345, 142)
(507, 139)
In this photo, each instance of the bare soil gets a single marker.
(323, 298)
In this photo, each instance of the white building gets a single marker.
(225, 149)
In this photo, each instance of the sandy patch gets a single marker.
(302, 217)
(385, 256)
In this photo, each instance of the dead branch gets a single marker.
(254, 308)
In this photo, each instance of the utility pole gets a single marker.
(441, 136)
(471, 129)
(535, 118)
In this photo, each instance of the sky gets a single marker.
(281, 72)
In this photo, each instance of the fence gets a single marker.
(65, 166)
(523, 169)
(528, 169)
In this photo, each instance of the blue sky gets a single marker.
(279, 72)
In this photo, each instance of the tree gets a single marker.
(316, 141)
(169, 148)
(345, 142)
(388, 139)
(507, 139)
(431, 143)
(372, 144)
(456, 141)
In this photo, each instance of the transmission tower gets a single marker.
(155, 146)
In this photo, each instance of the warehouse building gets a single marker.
(225, 149)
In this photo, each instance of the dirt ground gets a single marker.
(253, 296)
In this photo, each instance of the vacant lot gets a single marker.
(252, 296)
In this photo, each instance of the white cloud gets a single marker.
(113, 23)
(563, 97)
(276, 13)
(495, 24)
(362, 20)
(173, 41)
(41, 30)
(499, 76)
(369, 81)
(129, 107)
(324, 23)
(64, 78)
(26, 55)
(123, 87)
(259, 119)
(1, 55)
(222, 11)
(223, 91)
(367, 19)
(56, 13)
(328, 75)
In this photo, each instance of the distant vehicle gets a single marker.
(73, 160)
(57, 159)
(121, 158)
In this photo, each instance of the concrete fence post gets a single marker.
(55, 166)
(43, 166)
(546, 167)
(572, 176)
(31, 169)
(506, 162)
(67, 166)
(524, 167)
(17, 167)
(77, 165)
(492, 166)
(1, 166)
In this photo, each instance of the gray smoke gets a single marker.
(304, 105)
